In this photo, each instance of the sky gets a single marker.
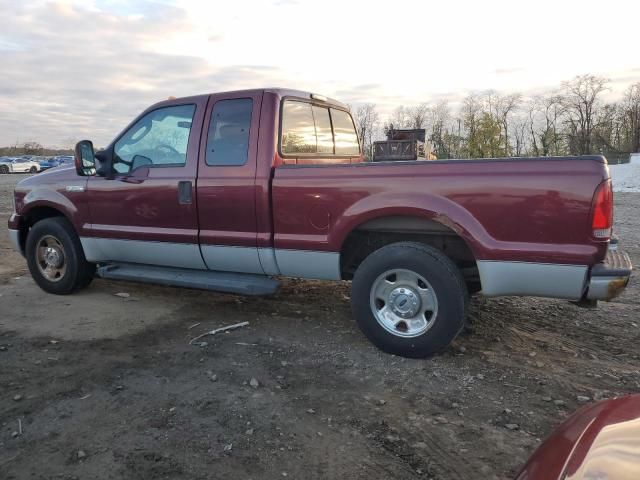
(73, 70)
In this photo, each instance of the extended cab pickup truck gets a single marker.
(229, 191)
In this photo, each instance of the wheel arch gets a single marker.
(35, 212)
(421, 226)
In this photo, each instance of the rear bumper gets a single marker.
(610, 278)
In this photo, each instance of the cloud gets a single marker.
(84, 68)
(74, 73)
(507, 71)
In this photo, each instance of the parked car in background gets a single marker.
(19, 165)
(65, 159)
(6, 164)
(601, 440)
(47, 163)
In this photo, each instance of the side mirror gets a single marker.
(85, 158)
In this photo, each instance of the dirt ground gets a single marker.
(94, 385)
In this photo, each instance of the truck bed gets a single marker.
(515, 209)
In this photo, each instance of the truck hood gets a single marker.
(51, 176)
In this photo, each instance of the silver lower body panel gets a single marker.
(503, 278)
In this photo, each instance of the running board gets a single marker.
(241, 283)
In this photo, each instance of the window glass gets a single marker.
(344, 133)
(228, 140)
(159, 138)
(324, 134)
(298, 130)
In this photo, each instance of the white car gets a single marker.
(18, 165)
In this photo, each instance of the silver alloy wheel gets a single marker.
(50, 258)
(403, 303)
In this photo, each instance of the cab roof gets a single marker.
(280, 92)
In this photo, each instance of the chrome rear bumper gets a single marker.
(610, 278)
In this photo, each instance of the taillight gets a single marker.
(602, 211)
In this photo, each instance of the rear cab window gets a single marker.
(317, 134)
(346, 139)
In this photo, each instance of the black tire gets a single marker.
(4, 169)
(448, 287)
(33, 170)
(78, 272)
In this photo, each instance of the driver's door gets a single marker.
(145, 212)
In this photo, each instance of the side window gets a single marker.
(344, 132)
(228, 139)
(298, 129)
(160, 138)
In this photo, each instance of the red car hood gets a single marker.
(599, 441)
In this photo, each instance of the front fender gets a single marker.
(72, 204)
(47, 198)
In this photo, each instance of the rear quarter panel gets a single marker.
(532, 210)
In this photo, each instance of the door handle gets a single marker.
(185, 192)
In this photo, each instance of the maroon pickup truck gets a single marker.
(228, 191)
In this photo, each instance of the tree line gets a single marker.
(32, 148)
(573, 119)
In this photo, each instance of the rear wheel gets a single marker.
(33, 170)
(409, 299)
(4, 169)
(55, 257)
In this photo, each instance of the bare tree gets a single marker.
(581, 98)
(631, 109)
(545, 114)
(366, 118)
(400, 117)
(471, 113)
(519, 126)
(443, 142)
(506, 105)
(32, 148)
(418, 115)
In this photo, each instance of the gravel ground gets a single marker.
(96, 385)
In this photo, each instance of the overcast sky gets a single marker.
(73, 70)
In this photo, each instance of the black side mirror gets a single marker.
(104, 160)
(85, 158)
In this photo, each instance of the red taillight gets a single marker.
(602, 211)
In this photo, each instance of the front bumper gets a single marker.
(610, 278)
(14, 232)
(14, 238)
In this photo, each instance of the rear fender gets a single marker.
(436, 208)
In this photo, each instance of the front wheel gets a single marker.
(409, 299)
(55, 257)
